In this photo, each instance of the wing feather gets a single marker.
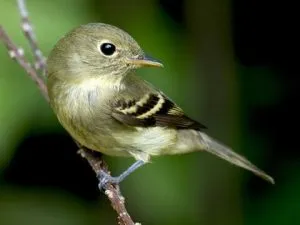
(153, 109)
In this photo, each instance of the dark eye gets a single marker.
(107, 49)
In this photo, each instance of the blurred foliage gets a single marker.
(221, 68)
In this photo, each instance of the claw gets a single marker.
(105, 178)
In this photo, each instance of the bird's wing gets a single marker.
(152, 109)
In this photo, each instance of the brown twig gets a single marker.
(97, 164)
(113, 193)
(40, 62)
(18, 55)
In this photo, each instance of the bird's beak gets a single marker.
(145, 60)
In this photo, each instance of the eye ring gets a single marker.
(107, 49)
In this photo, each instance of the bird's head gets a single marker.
(96, 50)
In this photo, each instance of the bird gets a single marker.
(100, 100)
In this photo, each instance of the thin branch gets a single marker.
(18, 55)
(40, 62)
(97, 164)
(113, 193)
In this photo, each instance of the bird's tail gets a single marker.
(218, 149)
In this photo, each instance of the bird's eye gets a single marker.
(108, 49)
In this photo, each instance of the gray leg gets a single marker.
(105, 178)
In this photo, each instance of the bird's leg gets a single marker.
(105, 178)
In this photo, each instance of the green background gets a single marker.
(202, 73)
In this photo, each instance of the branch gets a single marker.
(112, 193)
(35, 72)
(18, 55)
(40, 62)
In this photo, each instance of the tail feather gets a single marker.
(214, 147)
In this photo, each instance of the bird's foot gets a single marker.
(105, 178)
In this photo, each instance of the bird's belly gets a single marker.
(115, 139)
(92, 130)
(96, 134)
